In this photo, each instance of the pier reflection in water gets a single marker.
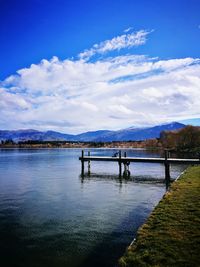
(121, 180)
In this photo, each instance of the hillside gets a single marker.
(132, 133)
(139, 133)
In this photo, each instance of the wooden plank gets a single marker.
(116, 159)
(181, 161)
(138, 159)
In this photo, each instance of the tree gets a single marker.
(187, 138)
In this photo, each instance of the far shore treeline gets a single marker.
(186, 139)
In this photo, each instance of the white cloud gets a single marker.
(121, 109)
(127, 40)
(128, 29)
(15, 101)
(76, 95)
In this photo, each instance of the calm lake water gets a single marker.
(50, 216)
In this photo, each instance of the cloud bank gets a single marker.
(73, 96)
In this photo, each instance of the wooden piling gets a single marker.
(120, 164)
(89, 164)
(82, 163)
(125, 166)
(126, 172)
(167, 167)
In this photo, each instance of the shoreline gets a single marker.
(143, 144)
(171, 222)
(179, 176)
(109, 148)
(83, 145)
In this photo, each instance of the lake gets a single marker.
(50, 216)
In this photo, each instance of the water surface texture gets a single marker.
(50, 216)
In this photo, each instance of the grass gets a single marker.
(171, 235)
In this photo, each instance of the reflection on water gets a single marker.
(50, 216)
(121, 180)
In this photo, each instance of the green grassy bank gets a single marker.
(171, 235)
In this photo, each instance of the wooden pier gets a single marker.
(125, 161)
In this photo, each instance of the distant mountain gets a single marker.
(53, 136)
(139, 133)
(134, 134)
(92, 136)
(24, 135)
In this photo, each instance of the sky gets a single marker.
(75, 66)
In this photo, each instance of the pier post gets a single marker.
(120, 164)
(167, 168)
(126, 172)
(125, 166)
(89, 163)
(82, 163)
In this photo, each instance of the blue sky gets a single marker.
(36, 29)
(161, 39)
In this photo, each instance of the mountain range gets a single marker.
(134, 134)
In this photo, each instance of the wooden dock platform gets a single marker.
(127, 160)
(139, 159)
